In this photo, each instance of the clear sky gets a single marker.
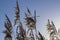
(46, 9)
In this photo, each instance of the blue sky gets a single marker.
(46, 9)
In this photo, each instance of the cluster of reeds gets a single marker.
(21, 33)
